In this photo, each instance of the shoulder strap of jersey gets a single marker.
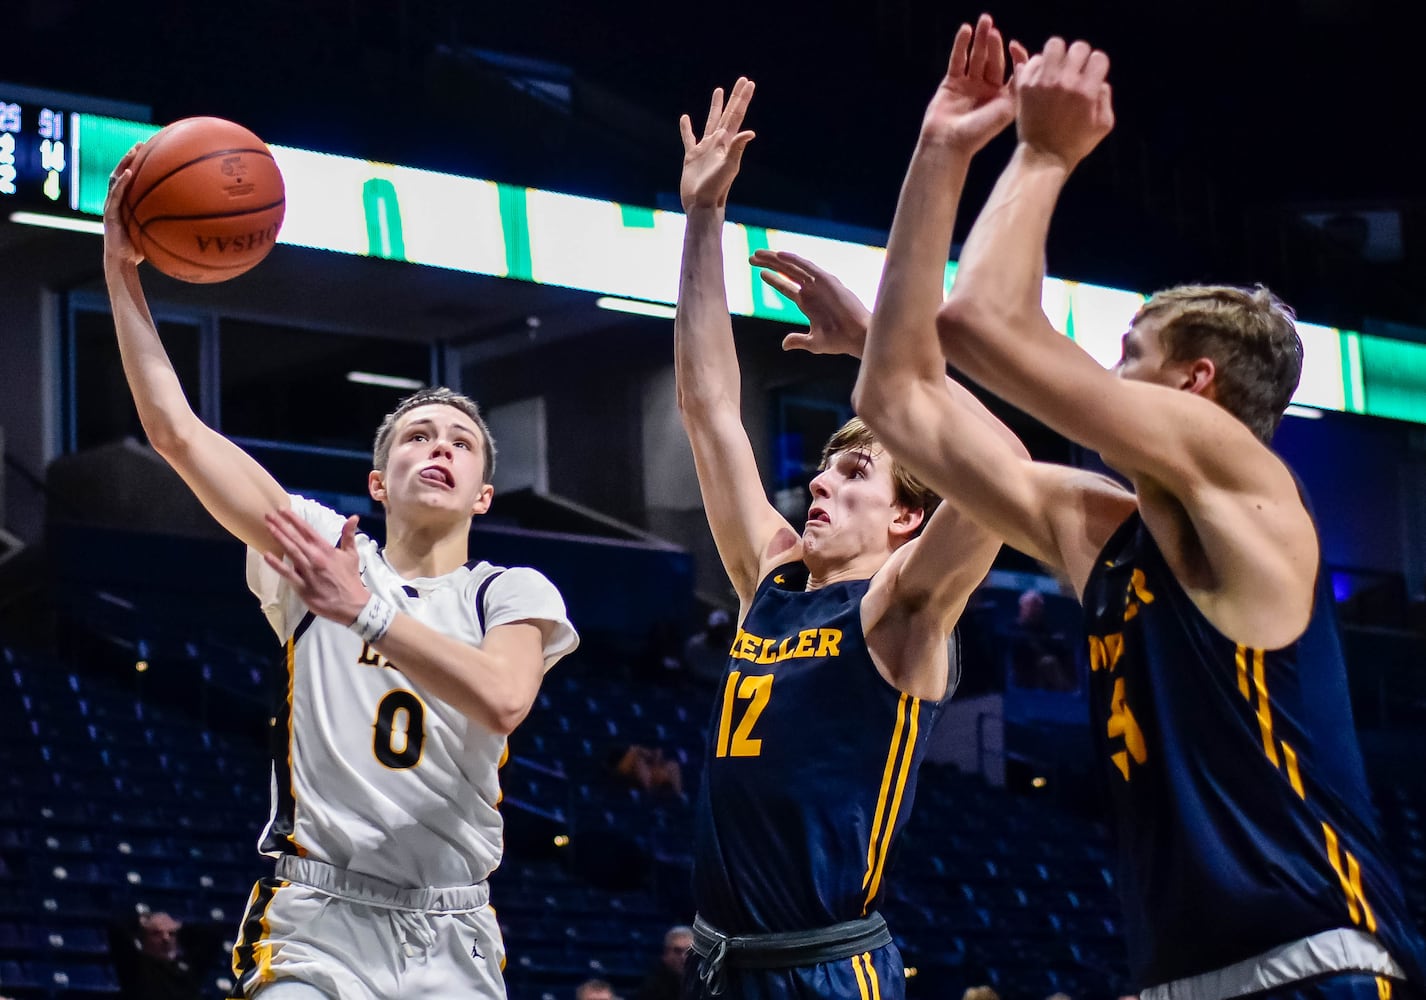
(480, 598)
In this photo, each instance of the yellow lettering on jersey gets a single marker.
(1137, 592)
(805, 640)
(1122, 723)
(800, 645)
(758, 689)
(725, 718)
(1105, 651)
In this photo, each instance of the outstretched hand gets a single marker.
(975, 100)
(1064, 105)
(711, 163)
(116, 233)
(837, 319)
(327, 579)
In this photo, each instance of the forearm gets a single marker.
(995, 301)
(487, 688)
(158, 395)
(705, 359)
(901, 339)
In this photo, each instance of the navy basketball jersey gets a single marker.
(811, 766)
(1240, 801)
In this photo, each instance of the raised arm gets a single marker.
(227, 481)
(1227, 509)
(933, 425)
(750, 534)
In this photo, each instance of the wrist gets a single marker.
(1037, 158)
(700, 212)
(374, 619)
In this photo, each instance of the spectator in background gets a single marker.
(152, 958)
(594, 989)
(705, 654)
(666, 979)
(647, 769)
(1040, 659)
(980, 993)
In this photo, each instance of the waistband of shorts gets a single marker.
(791, 948)
(1341, 950)
(341, 883)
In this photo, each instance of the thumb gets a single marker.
(797, 342)
(348, 539)
(1106, 105)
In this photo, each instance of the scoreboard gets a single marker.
(37, 155)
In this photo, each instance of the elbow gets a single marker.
(958, 319)
(167, 437)
(506, 717)
(869, 399)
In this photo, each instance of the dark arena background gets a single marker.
(485, 196)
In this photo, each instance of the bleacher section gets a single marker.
(115, 801)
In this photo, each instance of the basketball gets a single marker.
(205, 201)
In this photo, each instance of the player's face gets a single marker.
(436, 464)
(1143, 358)
(853, 506)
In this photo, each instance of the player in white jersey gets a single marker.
(407, 668)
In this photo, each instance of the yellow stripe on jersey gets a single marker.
(1289, 757)
(1265, 717)
(1343, 862)
(908, 752)
(291, 773)
(861, 979)
(871, 976)
(1383, 988)
(885, 789)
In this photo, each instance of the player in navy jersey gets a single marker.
(407, 665)
(1248, 858)
(841, 653)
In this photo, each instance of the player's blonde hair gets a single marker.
(381, 450)
(910, 492)
(1250, 336)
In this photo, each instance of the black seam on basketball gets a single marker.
(197, 159)
(214, 215)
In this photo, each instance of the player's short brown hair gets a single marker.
(1250, 336)
(381, 449)
(910, 492)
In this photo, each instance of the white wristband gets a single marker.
(374, 620)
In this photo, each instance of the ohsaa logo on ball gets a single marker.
(241, 244)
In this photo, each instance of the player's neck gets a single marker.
(427, 550)
(822, 573)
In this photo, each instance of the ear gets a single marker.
(906, 523)
(1198, 377)
(483, 500)
(376, 485)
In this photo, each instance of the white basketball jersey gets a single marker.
(371, 773)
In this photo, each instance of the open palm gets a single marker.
(711, 163)
(975, 100)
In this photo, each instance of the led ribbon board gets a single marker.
(354, 206)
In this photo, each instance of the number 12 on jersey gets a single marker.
(756, 690)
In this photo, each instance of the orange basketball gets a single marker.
(206, 200)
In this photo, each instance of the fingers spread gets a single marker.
(715, 112)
